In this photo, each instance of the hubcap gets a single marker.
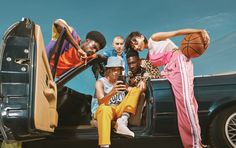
(230, 129)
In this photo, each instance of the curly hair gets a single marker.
(97, 37)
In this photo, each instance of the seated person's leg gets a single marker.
(104, 115)
(124, 109)
(11, 145)
(129, 103)
(137, 118)
(94, 106)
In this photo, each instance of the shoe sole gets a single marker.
(123, 135)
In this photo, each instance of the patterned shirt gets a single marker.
(147, 70)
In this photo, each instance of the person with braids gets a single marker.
(178, 69)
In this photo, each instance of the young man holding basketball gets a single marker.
(178, 69)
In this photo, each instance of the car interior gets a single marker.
(74, 109)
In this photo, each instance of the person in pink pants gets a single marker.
(178, 69)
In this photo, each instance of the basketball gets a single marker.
(192, 45)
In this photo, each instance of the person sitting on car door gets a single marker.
(113, 103)
(74, 52)
(140, 70)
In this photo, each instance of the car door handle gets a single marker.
(51, 91)
(51, 95)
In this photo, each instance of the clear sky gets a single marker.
(147, 16)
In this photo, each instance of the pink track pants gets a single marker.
(179, 71)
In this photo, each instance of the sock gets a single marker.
(104, 146)
(125, 116)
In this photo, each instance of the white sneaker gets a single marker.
(122, 129)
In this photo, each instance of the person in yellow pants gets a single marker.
(16, 144)
(113, 103)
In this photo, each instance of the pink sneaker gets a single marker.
(122, 129)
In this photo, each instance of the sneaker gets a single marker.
(122, 129)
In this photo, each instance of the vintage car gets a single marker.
(43, 112)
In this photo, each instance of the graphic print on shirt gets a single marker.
(117, 98)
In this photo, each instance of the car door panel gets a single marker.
(27, 90)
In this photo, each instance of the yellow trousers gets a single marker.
(105, 114)
(11, 145)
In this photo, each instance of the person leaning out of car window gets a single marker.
(74, 52)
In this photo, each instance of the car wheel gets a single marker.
(222, 130)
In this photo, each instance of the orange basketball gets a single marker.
(192, 45)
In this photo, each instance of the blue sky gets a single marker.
(147, 16)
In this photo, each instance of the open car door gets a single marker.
(28, 94)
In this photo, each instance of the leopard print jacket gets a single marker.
(147, 71)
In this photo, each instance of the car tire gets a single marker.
(222, 130)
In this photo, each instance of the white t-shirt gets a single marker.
(160, 46)
(160, 52)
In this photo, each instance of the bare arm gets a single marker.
(164, 35)
(59, 26)
(100, 94)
